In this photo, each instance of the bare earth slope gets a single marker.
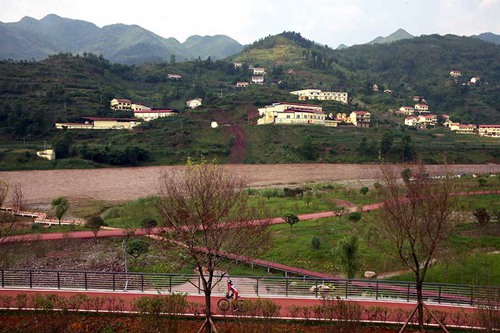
(122, 184)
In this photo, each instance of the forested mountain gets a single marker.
(127, 44)
(66, 87)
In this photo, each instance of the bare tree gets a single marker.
(17, 198)
(416, 218)
(206, 214)
(7, 220)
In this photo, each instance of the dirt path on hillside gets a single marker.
(122, 184)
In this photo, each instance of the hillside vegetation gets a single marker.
(66, 87)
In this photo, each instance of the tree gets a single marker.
(364, 190)
(205, 209)
(94, 224)
(482, 216)
(347, 250)
(416, 218)
(386, 143)
(136, 247)
(338, 211)
(7, 220)
(148, 223)
(60, 205)
(354, 217)
(291, 219)
(17, 198)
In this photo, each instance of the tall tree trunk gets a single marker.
(420, 305)
(208, 312)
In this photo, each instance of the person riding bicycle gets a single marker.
(231, 290)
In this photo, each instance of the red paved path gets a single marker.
(285, 303)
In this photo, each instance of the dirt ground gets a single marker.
(122, 184)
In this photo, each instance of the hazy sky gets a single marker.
(330, 22)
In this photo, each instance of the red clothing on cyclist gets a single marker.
(232, 289)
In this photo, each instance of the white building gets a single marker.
(307, 94)
(291, 113)
(360, 118)
(194, 103)
(148, 115)
(489, 130)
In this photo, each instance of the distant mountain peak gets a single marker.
(395, 36)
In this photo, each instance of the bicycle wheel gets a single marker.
(223, 304)
(239, 305)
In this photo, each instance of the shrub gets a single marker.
(354, 217)
(316, 243)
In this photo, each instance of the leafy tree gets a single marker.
(316, 243)
(291, 219)
(94, 224)
(364, 190)
(418, 225)
(354, 217)
(406, 175)
(482, 182)
(386, 143)
(148, 223)
(347, 250)
(137, 247)
(60, 205)
(207, 213)
(482, 216)
(407, 148)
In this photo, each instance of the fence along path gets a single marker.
(41, 217)
(248, 286)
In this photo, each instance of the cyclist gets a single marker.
(231, 290)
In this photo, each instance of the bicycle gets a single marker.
(227, 303)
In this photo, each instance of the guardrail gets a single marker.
(248, 286)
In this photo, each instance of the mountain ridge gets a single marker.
(37, 39)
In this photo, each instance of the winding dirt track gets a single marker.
(122, 184)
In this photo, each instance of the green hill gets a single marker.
(65, 87)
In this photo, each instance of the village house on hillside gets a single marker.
(489, 130)
(258, 80)
(173, 76)
(317, 94)
(360, 118)
(148, 115)
(291, 113)
(242, 84)
(101, 123)
(126, 105)
(194, 103)
(121, 104)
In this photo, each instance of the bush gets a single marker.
(354, 217)
(316, 243)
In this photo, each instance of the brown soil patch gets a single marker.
(122, 184)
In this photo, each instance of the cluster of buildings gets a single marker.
(140, 113)
(492, 131)
(455, 75)
(299, 114)
(257, 77)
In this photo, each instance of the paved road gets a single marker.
(286, 304)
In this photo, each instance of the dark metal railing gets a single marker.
(247, 285)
